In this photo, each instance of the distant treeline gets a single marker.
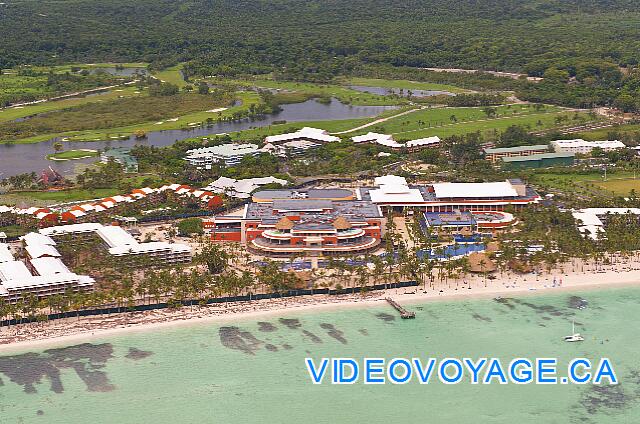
(316, 40)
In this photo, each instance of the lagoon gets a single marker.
(253, 370)
(383, 91)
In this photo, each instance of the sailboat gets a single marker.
(574, 337)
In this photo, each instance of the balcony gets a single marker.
(265, 245)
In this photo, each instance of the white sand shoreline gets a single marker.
(71, 330)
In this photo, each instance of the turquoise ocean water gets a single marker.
(252, 371)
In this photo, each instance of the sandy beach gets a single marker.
(576, 277)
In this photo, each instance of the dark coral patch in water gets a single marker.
(266, 327)
(287, 346)
(364, 331)
(334, 332)
(87, 360)
(271, 348)
(291, 323)
(385, 317)
(541, 309)
(479, 317)
(312, 336)
(605, 399)
(244, 341)
(137, 354)
(576, 302)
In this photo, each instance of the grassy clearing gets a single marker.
(621, 187)
(445, 122)
(490, 127)
(344, 94)
(182, 122)
(405, 84)
(34, 83)
(603, 133)
(73, 154)
(13, 230)
(11, 114)
(441, 116)
(48, 198)
(53, 197)
(618, 182)
(331, 126)
(172, 75)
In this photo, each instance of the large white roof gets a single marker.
(87, 227)
(49, 266)
(590, 217)
(241, 188)
(396, 194)
(115, 236)
(428, 141)
(390, 179)
(37, 238)
(306, 132)
(40, 250)
(371, 137)
(474, 190)
(224, 150)
(13, 270)
(5, 253)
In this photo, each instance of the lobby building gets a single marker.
(313, 222)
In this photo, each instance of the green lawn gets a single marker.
(620, 187)
(172, 75)
(52, 197)
(603, 134)
(13, 113)
(72, 154)
(13, 230)
(591, 183)
(489, 127)
(405, 84)
(182, 122)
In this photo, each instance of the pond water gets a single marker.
(383, 91)
(124, 72)
(20, 158)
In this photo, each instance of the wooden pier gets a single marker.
(404, 314)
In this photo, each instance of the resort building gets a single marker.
(40, 275)
(592, 222)
(466, 222)
(297, 142)
(585, 147)
(81, 212)
(494, 154)
(283, 223)
(241, 189)
(120, 243)
(542, 160)
(122, 156)
(376, 138)
(314, 135)
(227, 154)
(386, 140)
(421, 143)
(394, 192)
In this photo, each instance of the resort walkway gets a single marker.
(378, 121)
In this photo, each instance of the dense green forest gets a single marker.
(321, 35)
(577, 45)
